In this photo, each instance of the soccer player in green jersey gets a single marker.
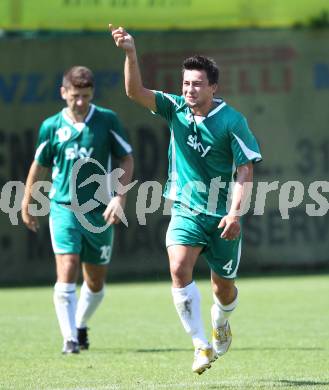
(210, 144)
(81, 132)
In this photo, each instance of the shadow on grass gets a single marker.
(161, 350)
(281, 383)
(169, 350)
(278, 349)
(143, 350)
(296, 383)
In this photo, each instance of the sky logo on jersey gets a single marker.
(63, 134)
(75, 152)
(192, 141)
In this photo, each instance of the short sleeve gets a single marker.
(120, 145)
(244, 144)
(43, 154)
(166, 104)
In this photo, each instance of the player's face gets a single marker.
(197, 91)
(77, 99)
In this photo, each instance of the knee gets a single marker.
(180, 272)
(225, 292)
(67, 267)
(95, 285)
(220, 289)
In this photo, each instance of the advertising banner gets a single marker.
(278, 79)
(156, 14)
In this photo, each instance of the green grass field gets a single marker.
(280, 339)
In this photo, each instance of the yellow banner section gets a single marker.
(156, 14)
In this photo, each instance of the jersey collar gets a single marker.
(221, 104)
(198, 118)
(81, 125)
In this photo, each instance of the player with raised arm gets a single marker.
(83, 132)
(210, 144)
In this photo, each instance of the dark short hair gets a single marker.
(78, 77)
(203, 63)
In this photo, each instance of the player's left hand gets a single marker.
(231, 226)
(114, 210)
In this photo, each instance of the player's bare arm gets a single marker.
(135, 89)
(112, 212)
(37, 172)
(231, 222)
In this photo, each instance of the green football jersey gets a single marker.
(61, 143)
(204, 152)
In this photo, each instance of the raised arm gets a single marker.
(135, 89)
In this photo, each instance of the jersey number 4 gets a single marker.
(228, 266)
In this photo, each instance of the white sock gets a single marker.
(65, 304)
(88, 303)
(220, 313)
(187, 303)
